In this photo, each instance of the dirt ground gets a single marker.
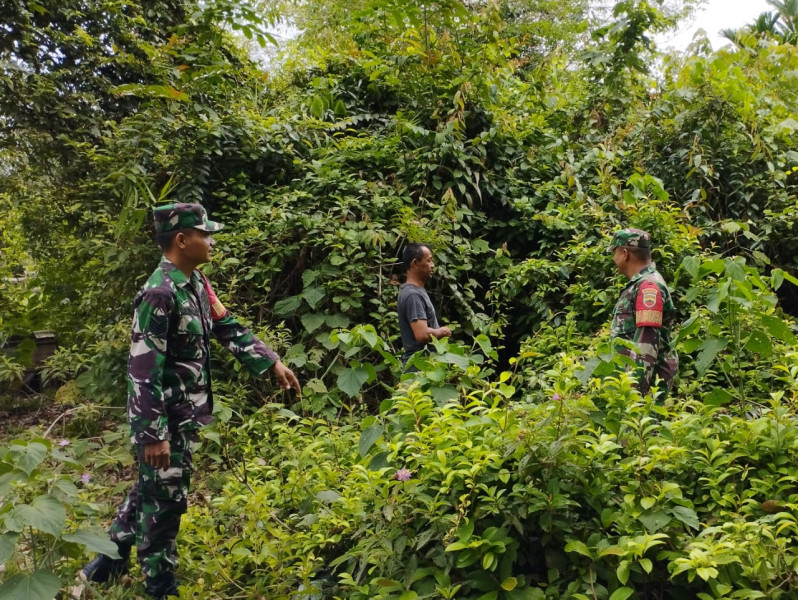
(25, 411)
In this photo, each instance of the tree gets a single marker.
(780, 25)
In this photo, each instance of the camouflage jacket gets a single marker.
(644, 315)
(169, 384)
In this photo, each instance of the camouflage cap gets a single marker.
(180, 215)
(630, 238)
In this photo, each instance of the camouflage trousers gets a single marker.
(149, 518)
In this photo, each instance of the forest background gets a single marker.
(512, 137)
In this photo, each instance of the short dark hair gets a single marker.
(166, 239)
(641, 254)
(413, 251)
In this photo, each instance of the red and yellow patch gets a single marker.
(217, 308)
(649, 304)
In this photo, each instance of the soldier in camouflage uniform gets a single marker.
(644, 313)
(169, 393)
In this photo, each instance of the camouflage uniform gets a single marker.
(644, 314)
(169, 391)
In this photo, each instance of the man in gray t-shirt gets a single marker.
(418, 322)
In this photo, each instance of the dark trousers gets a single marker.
(149, 518)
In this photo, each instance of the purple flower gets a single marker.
(555, 397)
(403, 474)
(86, 477)
(63, 443)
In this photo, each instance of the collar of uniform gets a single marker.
(650, 268)
(176, 275)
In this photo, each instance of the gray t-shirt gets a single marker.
(413, 304)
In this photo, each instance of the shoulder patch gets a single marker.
(217, 308)
(648, 306)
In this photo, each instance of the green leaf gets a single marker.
(350, 381)
(717, 295)
(718, 397)
(317, 107)
(465, 531)
(453, 359)
(691, 264)
(380, 461)
(7, 480)
(313, 295)
(713, 266)
(315, 386)
(67, 489)
(312, 321)
(509, 584)
(287, 306)
(94, 541)
(45, 513)
(40, 585)
(686, 515)
(762, 258)
(328, 496)
(655, 521)
(441, 394)
(705, 573)
(8, 542)
(709, 350)
(28, 457)
(369, 334)
(622, 593)
(588, 367)
(455, 546)
(793, 280)
(152, 91)
(213, 436)
(778, 328)
(760, 343)
(578, 547)
(610, 551)
(776, 278)
(368, 438)
(526, 593)
(648, 502)
(622, 572)
(230, 262)
(337, 321)
(506, 390)
(342, 336)
(735, 270)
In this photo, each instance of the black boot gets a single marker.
(103, 567)
(163, 585)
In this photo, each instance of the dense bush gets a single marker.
(579, 490)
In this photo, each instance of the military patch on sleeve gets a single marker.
(217, 308)
(648, 307)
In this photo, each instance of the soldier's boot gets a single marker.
(103, 567)
(162, 586)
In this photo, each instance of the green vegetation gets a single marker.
(512, 137)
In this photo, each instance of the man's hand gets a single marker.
(157, 454)
(442, 332)
(286, 378)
